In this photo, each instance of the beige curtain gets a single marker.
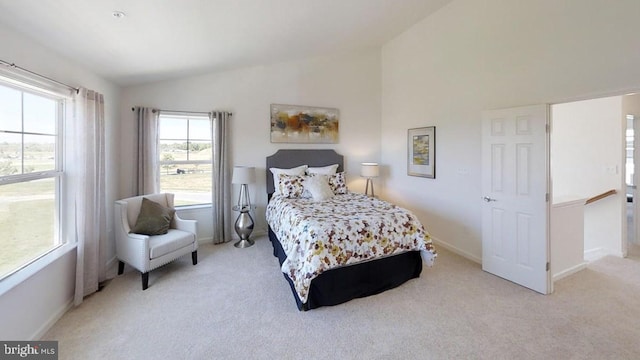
(90, 206)
(221, 192)
(148, 171)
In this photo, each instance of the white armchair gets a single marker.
(145, 252)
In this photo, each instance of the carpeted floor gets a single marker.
(235, 304)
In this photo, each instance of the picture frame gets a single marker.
(421, 152)
(304, 124)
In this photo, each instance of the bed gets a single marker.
(321, 279)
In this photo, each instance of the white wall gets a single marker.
(28, 308)
(350, 83)
(586, 147)
(587, 153)
(477, 55)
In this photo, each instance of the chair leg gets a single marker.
(120, 267)
(194, 257)
(145, 280)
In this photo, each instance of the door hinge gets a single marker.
(547, 128)
(546, 197)
(548, 266)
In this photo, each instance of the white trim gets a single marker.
(28, 271)
(256, 233)
(598, 253)
(32, 84)
(205, 240)
(112, 268)
(569, 271)
(190, 211)
(185, 209)
(52, 320)
(184, 162)
(595, 254)
(456, 250)
(186, 115)
(260, 232)
(32, 176)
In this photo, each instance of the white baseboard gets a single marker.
(260, 232)
(234, 236)
(594, 254)
(112, 262)
(112, 268)
(569, 271)
(598, 253)
(255, 234)
(456, 250)
(205, 240)
(52, 320)
(619, 254)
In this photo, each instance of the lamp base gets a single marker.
(366, 191)
(245, 243)
(244, 227)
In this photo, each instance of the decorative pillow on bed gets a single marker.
(338, 183)
(153, 219)
(291, 186)
(318, 187)
(293, 171)
(324, 170)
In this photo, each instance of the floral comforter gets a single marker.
(343, 230)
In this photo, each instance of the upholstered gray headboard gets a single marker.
(286, 159)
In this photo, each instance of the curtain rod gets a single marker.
(12, 65)
(180, 111)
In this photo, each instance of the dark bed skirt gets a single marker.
(355, 281)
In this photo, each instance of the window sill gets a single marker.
(192, 207)
(33, 268)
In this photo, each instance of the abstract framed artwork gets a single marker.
(304, 124)
(421, 149)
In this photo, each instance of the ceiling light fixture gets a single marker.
(118, 14)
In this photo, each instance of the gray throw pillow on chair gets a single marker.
(153, 219)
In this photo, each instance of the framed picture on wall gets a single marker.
(304, 124)
(421, 152)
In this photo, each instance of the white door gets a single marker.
(515, 207)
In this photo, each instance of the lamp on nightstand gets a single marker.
(369, 170)
(244, 175)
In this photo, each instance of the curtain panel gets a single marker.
(221, 192)
(90, 202)
(148, 172)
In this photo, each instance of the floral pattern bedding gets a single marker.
(343, 230)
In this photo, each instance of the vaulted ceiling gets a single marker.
(163, 39)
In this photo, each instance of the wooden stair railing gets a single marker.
(601, 196)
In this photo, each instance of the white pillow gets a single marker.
(299, 171)
(324, 170)
(318, 187)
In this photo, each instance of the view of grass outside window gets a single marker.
(30, 176)
(185, 158)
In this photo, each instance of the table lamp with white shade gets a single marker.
(244, 175)
(369, 170)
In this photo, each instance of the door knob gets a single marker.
(488, 199)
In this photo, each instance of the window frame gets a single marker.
(58, 174)
(185, 116)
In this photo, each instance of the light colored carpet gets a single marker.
(235, 304)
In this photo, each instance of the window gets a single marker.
(185, 158)
(31, 175)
